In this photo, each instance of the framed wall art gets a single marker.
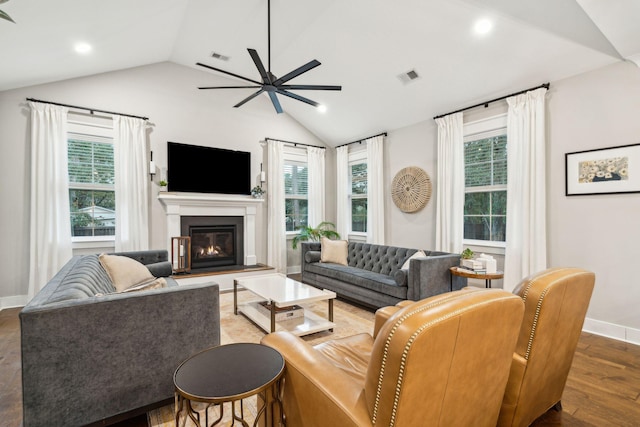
(612, 170)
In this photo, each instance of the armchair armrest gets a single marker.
(315, 391)
(430, 276)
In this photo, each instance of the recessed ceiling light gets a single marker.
(82, 48)
(482, 26)
(322, 108)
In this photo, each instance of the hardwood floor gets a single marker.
(603, 388)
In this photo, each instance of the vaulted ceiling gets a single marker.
(367, 46)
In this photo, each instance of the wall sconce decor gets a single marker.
(152, 167)
(181, 254)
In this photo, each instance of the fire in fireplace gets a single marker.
(215, 241)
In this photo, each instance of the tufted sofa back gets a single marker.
(377, 258)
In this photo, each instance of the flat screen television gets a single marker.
(198, 169)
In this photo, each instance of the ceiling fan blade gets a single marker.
(259, 65)
(298, 97)
(275, 102)
(229, 87)
(248, 98)
(309, 87)
(295, 73)
(227, 72)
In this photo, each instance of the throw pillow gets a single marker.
(125, 272)
(154, 284)
(419, 254)
(334, 251)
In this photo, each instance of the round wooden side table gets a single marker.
(227, 373)
(487, 277)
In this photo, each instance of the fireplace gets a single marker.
(216, 241)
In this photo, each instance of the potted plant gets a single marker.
(306, 232)
(163, 184)
(257, 192)
(467, 254)
(5, 15)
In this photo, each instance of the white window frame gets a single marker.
(356, 157)
(480, 129)
(295, 156)
(102, 128)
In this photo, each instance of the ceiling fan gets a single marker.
(271, 84)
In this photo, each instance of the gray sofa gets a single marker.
(92, 359)
(374, 277)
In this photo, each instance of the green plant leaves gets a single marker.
(4, 15)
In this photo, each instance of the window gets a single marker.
(295, 195)
(485, 203)
(91, 181)
(358, 191)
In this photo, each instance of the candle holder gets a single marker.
(181, 254)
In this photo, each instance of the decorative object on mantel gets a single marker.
(271, 84)
(603, 171)
(411, 189)
(4, 15)
(163, 184)
(324, 229)
(257, 192)
(181, 254)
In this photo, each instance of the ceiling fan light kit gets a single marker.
(271, 84)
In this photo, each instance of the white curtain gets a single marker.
(131, 186)
(276, 231)
(315, 161)
(450, 184)
(50, 223)
(375, 190)
(342, 191)
(526, 251)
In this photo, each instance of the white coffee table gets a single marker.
(281, 291)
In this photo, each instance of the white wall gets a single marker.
(600, 233)
(166, 93)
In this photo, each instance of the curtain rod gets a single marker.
(295, 144)
(486, 103)
(361, 140)
(92, 110)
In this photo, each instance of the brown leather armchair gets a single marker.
(440, 361)
(556, 302)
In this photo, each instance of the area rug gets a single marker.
(350, 320)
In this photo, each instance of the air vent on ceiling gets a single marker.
(219, 56)
(409, 76)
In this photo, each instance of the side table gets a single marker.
(227, 373)
(487, 277)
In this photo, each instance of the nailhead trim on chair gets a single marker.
(538, 306)
(385, 353)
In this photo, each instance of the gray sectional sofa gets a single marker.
(374, 277)
(91, 356)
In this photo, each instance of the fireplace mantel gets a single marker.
(197, 204)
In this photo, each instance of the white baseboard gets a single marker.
(296, 269)
(12, 302)
(611, 330)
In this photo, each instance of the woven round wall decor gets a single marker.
(411, 189)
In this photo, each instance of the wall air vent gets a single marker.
(219, 56)
(409, 76)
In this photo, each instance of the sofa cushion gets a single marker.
(366, 279)
(378, 258)
(334, 251)
(83, 278)
(125, 272)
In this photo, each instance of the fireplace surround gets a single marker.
(244, 208)
(216, 241)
